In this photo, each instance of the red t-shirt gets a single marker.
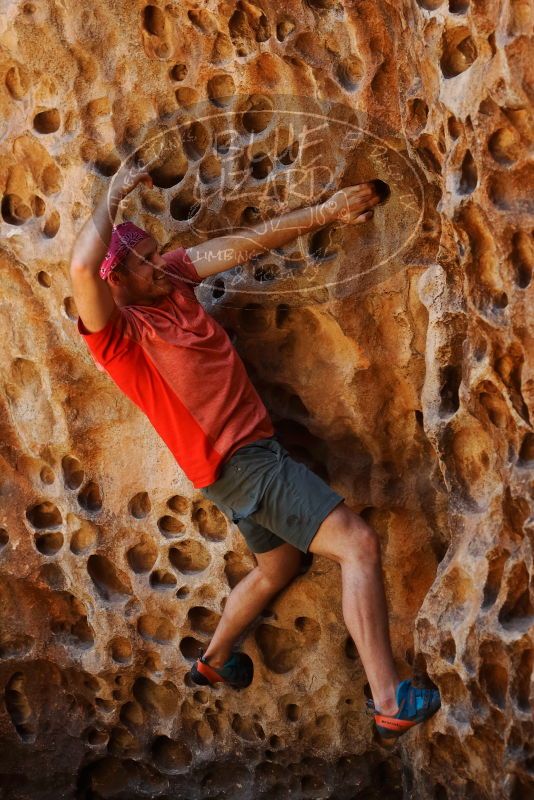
(179, 366)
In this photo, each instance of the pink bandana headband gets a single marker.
(123, 238)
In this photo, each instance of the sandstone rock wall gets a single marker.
(393, 357)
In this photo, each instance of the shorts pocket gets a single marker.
(246, 479)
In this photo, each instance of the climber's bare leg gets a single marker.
(346, 538)
(274, 571)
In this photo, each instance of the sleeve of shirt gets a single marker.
(110, 342)
(181, 268)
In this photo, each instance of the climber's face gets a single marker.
(140, 279)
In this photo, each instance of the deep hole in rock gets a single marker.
(186, 96)
(14, 210)
(170, 172)
(210, 521)
(189, 647)
(44, 279)
(156, 629)
(257, 114)
(260, 166)
(321, 5)
(84, 538)
(493, 674)
(521, 683)
(221, 89)
(142, 556)
(73, 473)
(18, 707)
(284, 28)
(49, 543)
(184, 207)
(189, 556)
(109, 583)
(47, 121)
(250, 215)
(468, 174)
(121, 649)
(178, 504)
(266, 272)
(522, 258)
(154, 20)
(526, 452)
(418, 114)
(139, 505)
(178, 72)
(430, 5)
(210, 169)
(196, 140)
(448, 650)
(459, 51)
(458, 6)
(293, 712)
(497, 561)
(170, 526)
(504, 145)
(350, 649)
(451, 378)
(204, 20)
(90, 497)
(382, 189)
(70, 308)
(509, 190)
(289, 154)
(517, 610)
(218, 290)
(349, 72)
(44, 515)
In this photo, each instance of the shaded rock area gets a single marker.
(393, 357)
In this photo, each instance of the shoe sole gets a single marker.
(201, 680)
(390, 735)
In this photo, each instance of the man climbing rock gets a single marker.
(143, 324)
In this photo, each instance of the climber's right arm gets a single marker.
(92, 295)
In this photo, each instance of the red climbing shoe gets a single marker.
(237, 672)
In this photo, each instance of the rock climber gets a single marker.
(141, 320)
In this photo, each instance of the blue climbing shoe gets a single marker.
(237, 672)
(415, 706)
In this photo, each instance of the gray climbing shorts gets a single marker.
(271, 498)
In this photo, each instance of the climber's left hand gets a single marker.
(354, 204)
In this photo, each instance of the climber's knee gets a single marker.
(344, 536)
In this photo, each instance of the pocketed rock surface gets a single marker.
(393, 357)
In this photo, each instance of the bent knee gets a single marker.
(364, 542)
(346, 536)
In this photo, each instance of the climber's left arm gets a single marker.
(353, 204)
